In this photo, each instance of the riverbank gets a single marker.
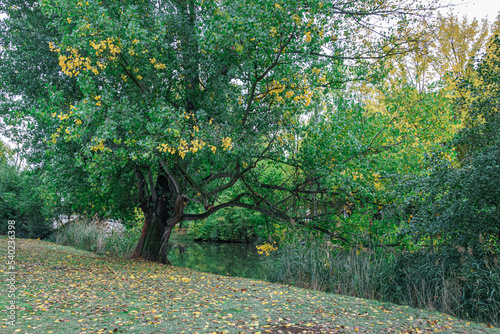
(64, 290)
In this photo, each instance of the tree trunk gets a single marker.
(150, 244)
(162, 210)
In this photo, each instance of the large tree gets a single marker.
(196, 97)
(455, 203)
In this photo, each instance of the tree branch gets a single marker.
(172, 176)
(213, 209)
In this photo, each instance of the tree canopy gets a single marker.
(173, 104)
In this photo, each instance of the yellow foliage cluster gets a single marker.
(55, 135)
(107, 44)
(189, 115)
(276, 88)
(99, 145)
(63, 117)
(185, 147)
(357, 175)
(377, 183)
(266, 248)
(226, 142)
(73, 63)
(160, 66)
(307, 97)
(194, 146)
(53, 47)
(166, 148)
(308, 36)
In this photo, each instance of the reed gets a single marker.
(457, 284)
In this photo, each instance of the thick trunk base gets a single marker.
(162, 210)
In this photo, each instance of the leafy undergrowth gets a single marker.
(64, 290)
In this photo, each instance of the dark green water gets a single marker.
(240, 260)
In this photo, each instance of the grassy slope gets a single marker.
(63, 290)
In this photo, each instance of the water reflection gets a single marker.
(240, 260)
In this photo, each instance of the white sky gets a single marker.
(476, 8)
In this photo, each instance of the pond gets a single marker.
(241, 260)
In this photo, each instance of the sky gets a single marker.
(476, 8)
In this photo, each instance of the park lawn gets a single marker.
(64, 290)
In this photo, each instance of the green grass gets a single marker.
(64, 290)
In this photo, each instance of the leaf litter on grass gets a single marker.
(64, 290)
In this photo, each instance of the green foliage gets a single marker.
(10, 188)
(21, 201)
(457, 206)
(456, 203)
(310, 262)
(27, 66)
(233, 224)
(30, 75)
(456, 283)
(5, 152)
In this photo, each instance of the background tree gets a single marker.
(457, 202)
(21, 199)
(414, 104)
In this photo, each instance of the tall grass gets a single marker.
(458, 284)
(86, 235)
